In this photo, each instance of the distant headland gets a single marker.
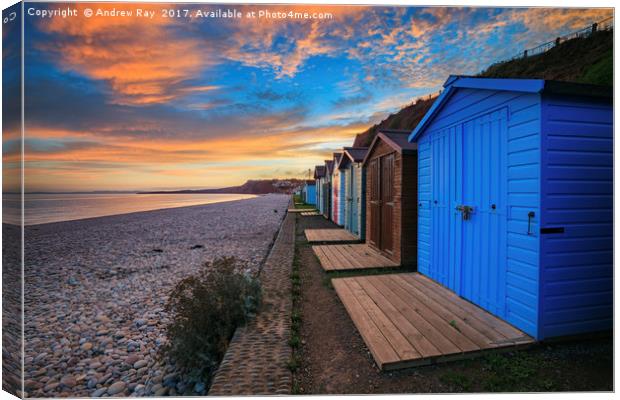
(262, 186)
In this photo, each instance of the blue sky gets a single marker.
(129, 103)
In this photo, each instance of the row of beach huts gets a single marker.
(503, 194)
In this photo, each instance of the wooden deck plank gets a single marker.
(383, 299)
(474, 311)
(400, 344)
(330, 235)
(338, 261)
(356, 262)
(320, 253)
(350, 257)
(440, 325)
(406, 323)
(379, 347)
(447, 309)
(371, 255)
(461, 324)
(438, 337)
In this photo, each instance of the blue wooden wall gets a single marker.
(310, 194)
(577, 195)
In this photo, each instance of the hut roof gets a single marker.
(335, 162)
(319, 171)
(455, 82)
(355, 154)
(329, 165)
(396, 139)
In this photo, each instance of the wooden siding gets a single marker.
(523, 194)
(577, 192)
(404, 216)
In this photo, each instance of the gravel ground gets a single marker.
(95, 291)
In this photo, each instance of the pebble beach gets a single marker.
(96, 290)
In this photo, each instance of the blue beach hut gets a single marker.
(515, 196)
(310, 192)
(351, 164)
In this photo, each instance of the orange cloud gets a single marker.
(142, 59)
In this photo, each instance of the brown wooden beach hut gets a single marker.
(391, 167)
(327, 189)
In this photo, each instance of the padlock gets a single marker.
(466, 211)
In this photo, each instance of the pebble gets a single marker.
(99, 392)
(87, 346)
(116, 388)
(199, 387)
(104, 331)
(68, 381)
(132, 359)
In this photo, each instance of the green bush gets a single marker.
(205, 309)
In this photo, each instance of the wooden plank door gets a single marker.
(352, 200)
(374, 199)
(386, 175)
(485, 190)
(446, 166)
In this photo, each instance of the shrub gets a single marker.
(205, 309)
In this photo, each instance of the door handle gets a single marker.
(530, 215)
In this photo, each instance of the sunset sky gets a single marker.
(133, 103)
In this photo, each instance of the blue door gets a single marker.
(445, 197)
(468, 209)
(483, 275)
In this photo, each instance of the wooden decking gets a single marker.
(408, 320)
(338, 257)
(300, 210)
(309, 213)
(330, 235)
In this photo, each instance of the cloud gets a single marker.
(167, 102)
(344, 102)
(143, 61)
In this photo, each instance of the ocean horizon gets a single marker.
(42, 208)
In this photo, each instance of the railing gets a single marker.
(605, 25)
(424, 98)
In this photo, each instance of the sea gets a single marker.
(45, 208)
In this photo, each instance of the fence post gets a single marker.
(594, 27)
(525, 54)
(557, 41)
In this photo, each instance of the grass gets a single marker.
(301, 204)
(519, 371)
(602, 72)
(457, 381)
(515, 372)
